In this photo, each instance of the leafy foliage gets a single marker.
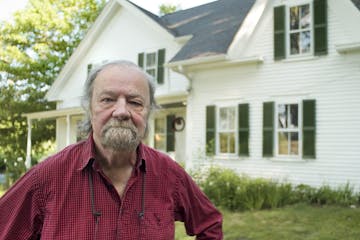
(228, 190)
(34, 46)
(168, 8)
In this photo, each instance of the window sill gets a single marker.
(299, 59)
(286, 159)
(229, 158)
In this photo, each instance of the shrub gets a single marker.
(229, 190)
(345, 196)
(221, 186)
(304, 193)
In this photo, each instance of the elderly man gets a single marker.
(110, 186)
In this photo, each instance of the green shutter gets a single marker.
(89, 68)
(279, 33)
(309, 129)
(320, 27)
(160, 67)
(210, 130)
(141, 60)
(268, 129)
(243, 129)
(170, 133)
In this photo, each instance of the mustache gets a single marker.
(113, 123)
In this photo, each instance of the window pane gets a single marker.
(227, 118)
(151, 72)
(293, 116)
(160, 125)
(282, 116)
(159, 141)
(283, 142)
(227, 142)
(305, 16)
(159, 137)
(305, 42)
(294, 43)
(150, 59)
(231, 119)
(223, 119)
(294, 147)
(223, 142)
(294, 18)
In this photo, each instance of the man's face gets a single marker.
(119, 108)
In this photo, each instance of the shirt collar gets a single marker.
(88, 153)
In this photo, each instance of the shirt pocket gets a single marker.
(158, 225)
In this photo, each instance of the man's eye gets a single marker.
(135, 103)
(106, 100)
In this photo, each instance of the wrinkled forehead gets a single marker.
(126, 77)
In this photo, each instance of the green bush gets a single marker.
(231, 191)
(221, 186)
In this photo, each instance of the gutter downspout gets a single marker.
(188, 130)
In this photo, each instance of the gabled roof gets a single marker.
(212, 26)
(357, 3)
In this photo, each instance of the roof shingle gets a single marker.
(212, 26)
(357, 3)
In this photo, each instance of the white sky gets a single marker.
(7, 7)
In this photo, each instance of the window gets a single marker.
(153, 63)
(293, 128)
(164, 135)
(160, 134)
(150, 63)
(300, 29)
(287, 118)
(227, 130)
(300, 33)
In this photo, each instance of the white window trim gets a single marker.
(300, 117)
(295, 3)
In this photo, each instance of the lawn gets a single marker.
(299, 222)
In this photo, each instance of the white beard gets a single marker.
(120, 135)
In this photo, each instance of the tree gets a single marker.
(34, 46)
(168, 8)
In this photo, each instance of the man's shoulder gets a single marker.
(160, 161)
(68, 157)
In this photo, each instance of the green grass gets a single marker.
(299, 222)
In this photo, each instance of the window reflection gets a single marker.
(288, 132)
(227, 129)
(300, 29)
(160, 134)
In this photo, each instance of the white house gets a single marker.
(269, 88)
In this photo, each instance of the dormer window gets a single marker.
(153, 63)
(300, 29)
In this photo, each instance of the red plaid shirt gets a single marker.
(53, 200)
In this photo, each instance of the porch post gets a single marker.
(28, 146)
(68, 124)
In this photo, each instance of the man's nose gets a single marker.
(121, 110)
